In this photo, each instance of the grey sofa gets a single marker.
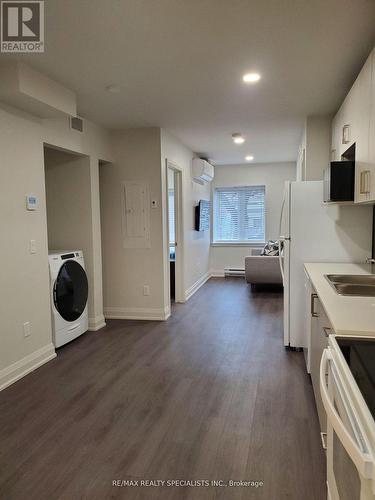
(261, 270)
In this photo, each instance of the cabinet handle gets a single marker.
(346, 134)
(323, 437)
(365, 182)
(368, 181)
(313, 313)
(361, 186)
(326, 330)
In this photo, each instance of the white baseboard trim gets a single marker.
(217, 273)
(29, 363)
(196, 286)
(96, 323)
(143, 313)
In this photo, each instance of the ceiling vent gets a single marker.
(76, 123)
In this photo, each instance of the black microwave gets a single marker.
(339, 180)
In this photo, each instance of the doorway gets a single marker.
(175, 243)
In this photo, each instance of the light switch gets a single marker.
(32, 246)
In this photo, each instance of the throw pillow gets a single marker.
(271, 248)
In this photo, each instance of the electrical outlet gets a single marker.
(146, 290)
(27, 329)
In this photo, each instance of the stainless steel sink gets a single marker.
(355, 290)
(354, 285)
(353, 279)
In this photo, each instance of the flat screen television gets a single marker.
(202, 216)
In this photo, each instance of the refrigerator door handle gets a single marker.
(281, 216)
(281, 267)
(281, 240)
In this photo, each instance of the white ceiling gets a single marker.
(179, 64)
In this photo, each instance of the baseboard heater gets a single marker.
(234, 271)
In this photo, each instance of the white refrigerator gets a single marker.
(312, 231)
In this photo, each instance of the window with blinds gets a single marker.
(239, 214)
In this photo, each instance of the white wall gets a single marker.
(127, 270)
(196, 245)
(273, 176)
(24, 278)
(95, 143)
(140, 155)
(24, 291)
(316, 144)
(69, 211)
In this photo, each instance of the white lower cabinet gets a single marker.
(318, 328)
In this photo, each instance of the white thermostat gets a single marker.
(31, 202)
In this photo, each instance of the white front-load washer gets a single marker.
(69, 292)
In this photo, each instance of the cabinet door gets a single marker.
(342, 128)
(371, 165)
(336, 136)
(355, 123)
(360, 104)
(308, 290)
(319, 341)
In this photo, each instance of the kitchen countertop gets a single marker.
(348, 315)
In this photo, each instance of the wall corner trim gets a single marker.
(26, 365)
(96, 323)
(196, 286)
(167, 312)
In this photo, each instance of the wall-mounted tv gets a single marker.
(202, 216)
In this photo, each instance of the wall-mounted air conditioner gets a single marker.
(202, 171)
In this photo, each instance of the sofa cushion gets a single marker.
(263, 270)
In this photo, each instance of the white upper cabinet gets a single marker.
(360, 115)
(352, 124)
(372, 129)
(337, 127)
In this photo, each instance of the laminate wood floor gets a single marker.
(211, 394)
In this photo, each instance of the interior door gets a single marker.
(71, 290)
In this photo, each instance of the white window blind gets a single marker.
(239, 214)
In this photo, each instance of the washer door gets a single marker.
(71, 290)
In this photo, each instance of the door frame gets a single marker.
(179, 249)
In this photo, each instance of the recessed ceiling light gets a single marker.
(237, 138)
(249, 158)
(251, 77)
(113, 89)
